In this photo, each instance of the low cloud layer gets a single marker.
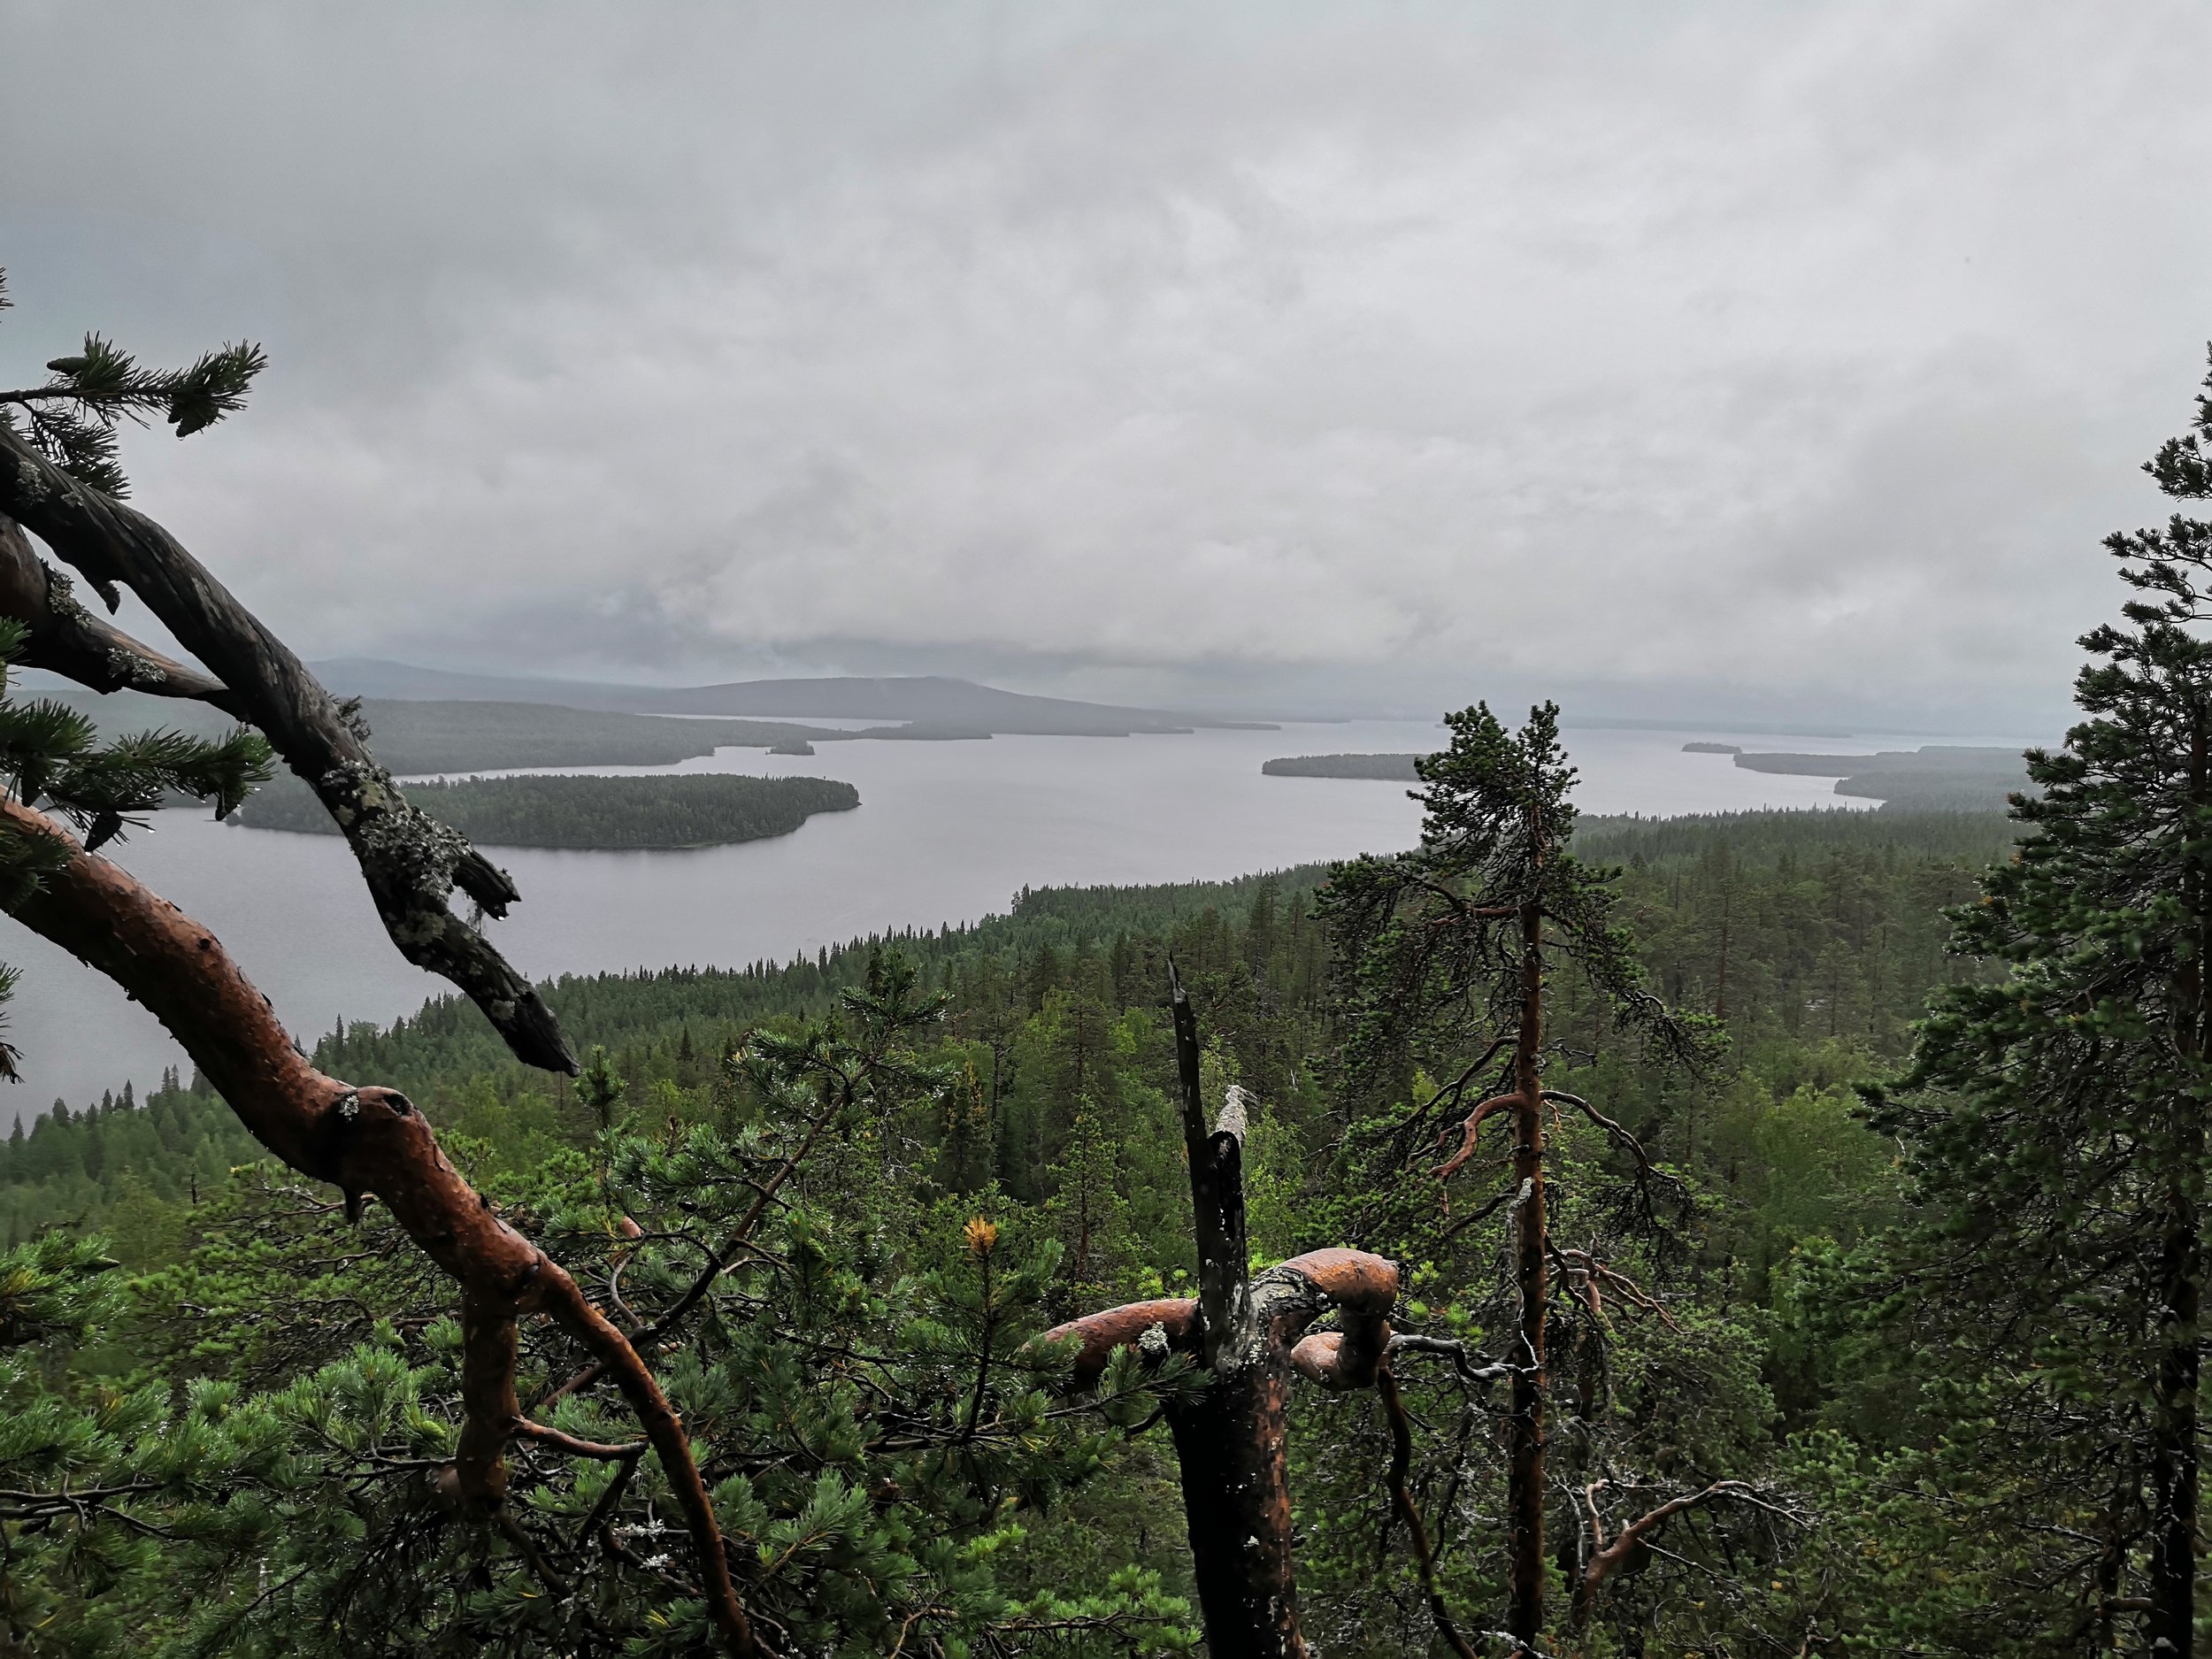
(1689, 354)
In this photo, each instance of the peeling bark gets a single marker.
(365, 1140)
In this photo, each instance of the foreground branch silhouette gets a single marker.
(59, 479)
(365, 1141)
(411, 862)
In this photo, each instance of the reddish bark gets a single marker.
(1230, 1439)
(1452, 1165)
(1125, 1328)
(1634, 1541)
(362, 1140)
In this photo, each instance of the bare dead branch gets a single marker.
(411, 862)
(1402, 1500)
(1592, 1276)
(1463, 1359)
(1607, 1559)
(1216, 1183)
(1614, 1133)
(68, 640)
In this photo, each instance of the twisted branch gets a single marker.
(1607, 1559)
(409, 861)
(1452, 1165)
(363, 1141)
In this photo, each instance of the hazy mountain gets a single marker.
(924, 700)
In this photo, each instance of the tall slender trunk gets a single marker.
(1727, 905)
(1525, 1499)
(2173, 1566)
(2171, 1626)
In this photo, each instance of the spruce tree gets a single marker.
(2057, 1116)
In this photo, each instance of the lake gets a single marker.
(946, 833)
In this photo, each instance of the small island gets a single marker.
(1711, 748)
(629, 813)
(1388, 768)
(795, 746)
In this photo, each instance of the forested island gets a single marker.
(1393, 768)
(688, 809)
(1937, 778)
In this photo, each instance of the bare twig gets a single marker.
(1402, 1500)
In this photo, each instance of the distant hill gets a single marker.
(1388, 768)
(951, 706)
(412, 737)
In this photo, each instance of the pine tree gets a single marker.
(2058, 1118)
(1447, 954)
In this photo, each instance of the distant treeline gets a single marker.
(1392, 768)
(689, 811)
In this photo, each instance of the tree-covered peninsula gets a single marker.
(690, 809)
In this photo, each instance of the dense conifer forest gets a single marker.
(692, 810)
(1814, 937)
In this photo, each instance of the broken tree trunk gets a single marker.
(1249, 1333)
(363, 1141)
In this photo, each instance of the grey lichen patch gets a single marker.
(61, 595)
(402, 839)
(134, 670)
(30, 479)
(1153, 1343)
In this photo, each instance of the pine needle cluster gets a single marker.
(73, 418)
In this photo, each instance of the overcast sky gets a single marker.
(1669, 357)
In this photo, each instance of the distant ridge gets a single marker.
(931, 701)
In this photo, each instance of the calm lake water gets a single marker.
(946, 832)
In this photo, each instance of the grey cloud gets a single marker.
(1276, 351)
